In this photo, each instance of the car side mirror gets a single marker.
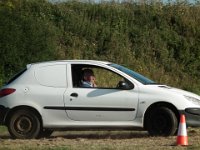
(123, 85)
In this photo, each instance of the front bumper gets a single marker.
(3, 112)
(192, 116)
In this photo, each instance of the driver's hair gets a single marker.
(88, 72)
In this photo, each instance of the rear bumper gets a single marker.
(3, 112)
(192, 116)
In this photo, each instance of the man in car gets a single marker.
(88, 79)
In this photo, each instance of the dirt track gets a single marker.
(101, 140)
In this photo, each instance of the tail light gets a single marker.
(7, 91)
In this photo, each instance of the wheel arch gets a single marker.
(22, 107)
(160, 104)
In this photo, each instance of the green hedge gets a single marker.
(161, 41)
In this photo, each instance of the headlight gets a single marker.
(193, 100)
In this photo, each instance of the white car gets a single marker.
(47, 96)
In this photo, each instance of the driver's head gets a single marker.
(88, 75)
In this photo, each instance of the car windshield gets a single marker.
(133, 74)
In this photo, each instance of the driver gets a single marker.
(88, 78)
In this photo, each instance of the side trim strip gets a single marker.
(89, 108)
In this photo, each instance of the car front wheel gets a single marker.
(161, 122)
(24, 124)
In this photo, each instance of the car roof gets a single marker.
(70, 61)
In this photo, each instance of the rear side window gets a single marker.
(53, 76)
(16, 76)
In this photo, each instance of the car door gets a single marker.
(105, 102)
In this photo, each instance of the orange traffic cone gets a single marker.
(182, 138)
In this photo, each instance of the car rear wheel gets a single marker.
(24, 124)
(161, 122)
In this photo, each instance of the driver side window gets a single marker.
(102, 78)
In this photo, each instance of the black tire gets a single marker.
(24, 124)
(161, 122)
(45, 133)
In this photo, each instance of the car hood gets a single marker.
(178, 91)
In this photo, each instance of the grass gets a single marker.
(98, 140)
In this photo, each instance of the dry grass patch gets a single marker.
(98, 140)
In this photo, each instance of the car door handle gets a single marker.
(74, 95)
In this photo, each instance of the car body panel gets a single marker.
(101, 104)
